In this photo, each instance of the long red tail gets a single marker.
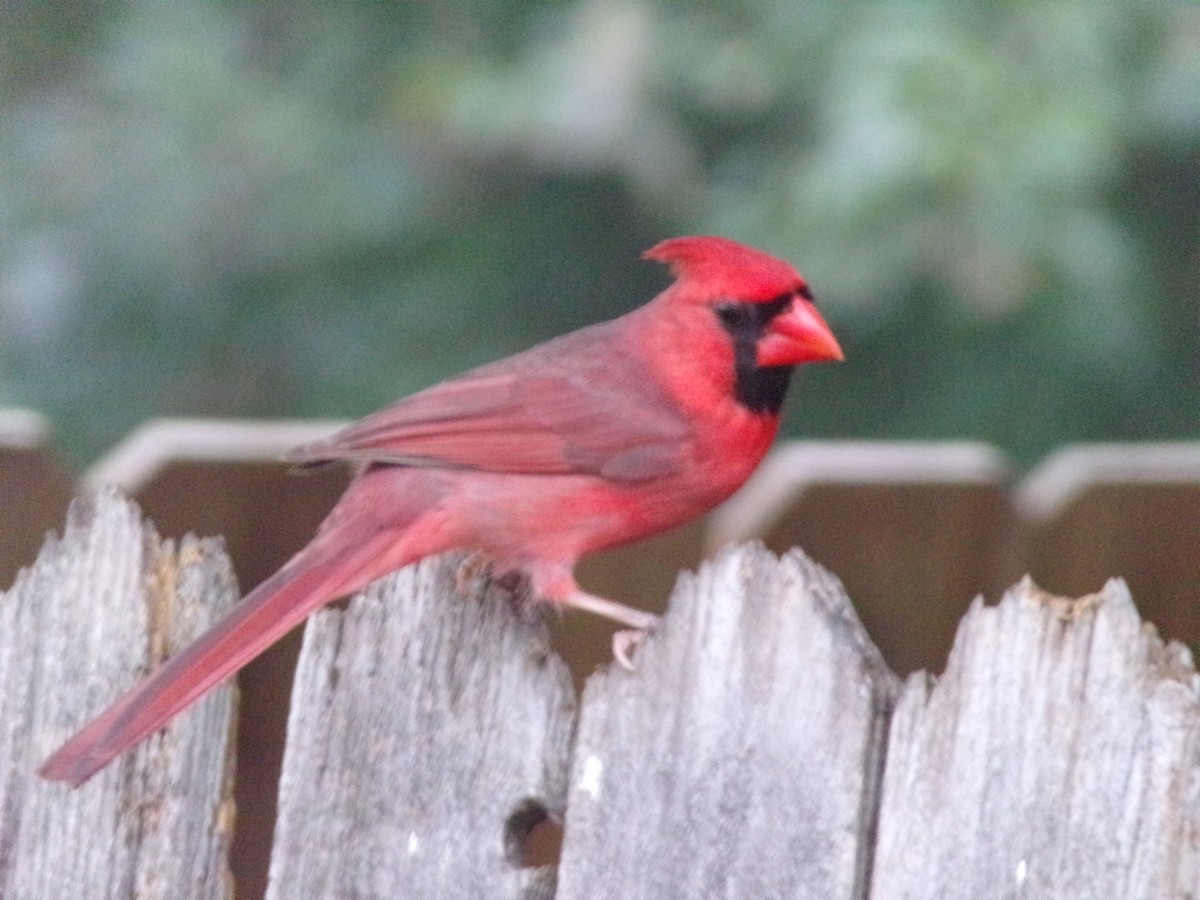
(265, 615)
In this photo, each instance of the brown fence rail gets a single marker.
(1059, 754)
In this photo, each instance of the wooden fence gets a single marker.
(762, 748)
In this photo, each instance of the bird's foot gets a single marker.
(624, 642)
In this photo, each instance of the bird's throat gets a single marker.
(760, 389)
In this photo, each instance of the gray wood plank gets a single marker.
(425, 727)
(740, 760)
(1059, 756)
(102, 604)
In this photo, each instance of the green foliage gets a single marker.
(305, 209)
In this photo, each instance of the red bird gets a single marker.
(597, 438)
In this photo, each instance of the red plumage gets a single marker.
(596, 438)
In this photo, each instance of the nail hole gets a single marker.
(532, 837)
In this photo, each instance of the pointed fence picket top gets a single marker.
(430, 732)
(102, 604)
(1092, 511)
(1058, 756)
(741, 758)
(914, 529)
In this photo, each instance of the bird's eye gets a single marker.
(732, 315)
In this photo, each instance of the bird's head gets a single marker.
(760, 300)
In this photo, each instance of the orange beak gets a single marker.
(798, 335)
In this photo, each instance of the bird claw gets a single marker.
(626, 641)
(639, 621)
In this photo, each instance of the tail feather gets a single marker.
(266, 614)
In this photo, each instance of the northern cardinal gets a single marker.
(611, 433)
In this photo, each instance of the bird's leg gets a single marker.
(635, 618)
(624, 642)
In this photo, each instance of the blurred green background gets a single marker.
(302, 209)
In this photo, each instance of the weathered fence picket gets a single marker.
(742, 758)
(429, 732)
(103, 604)
(1058, 756)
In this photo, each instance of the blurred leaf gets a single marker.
(286, 209)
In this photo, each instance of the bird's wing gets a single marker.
(548, 411)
